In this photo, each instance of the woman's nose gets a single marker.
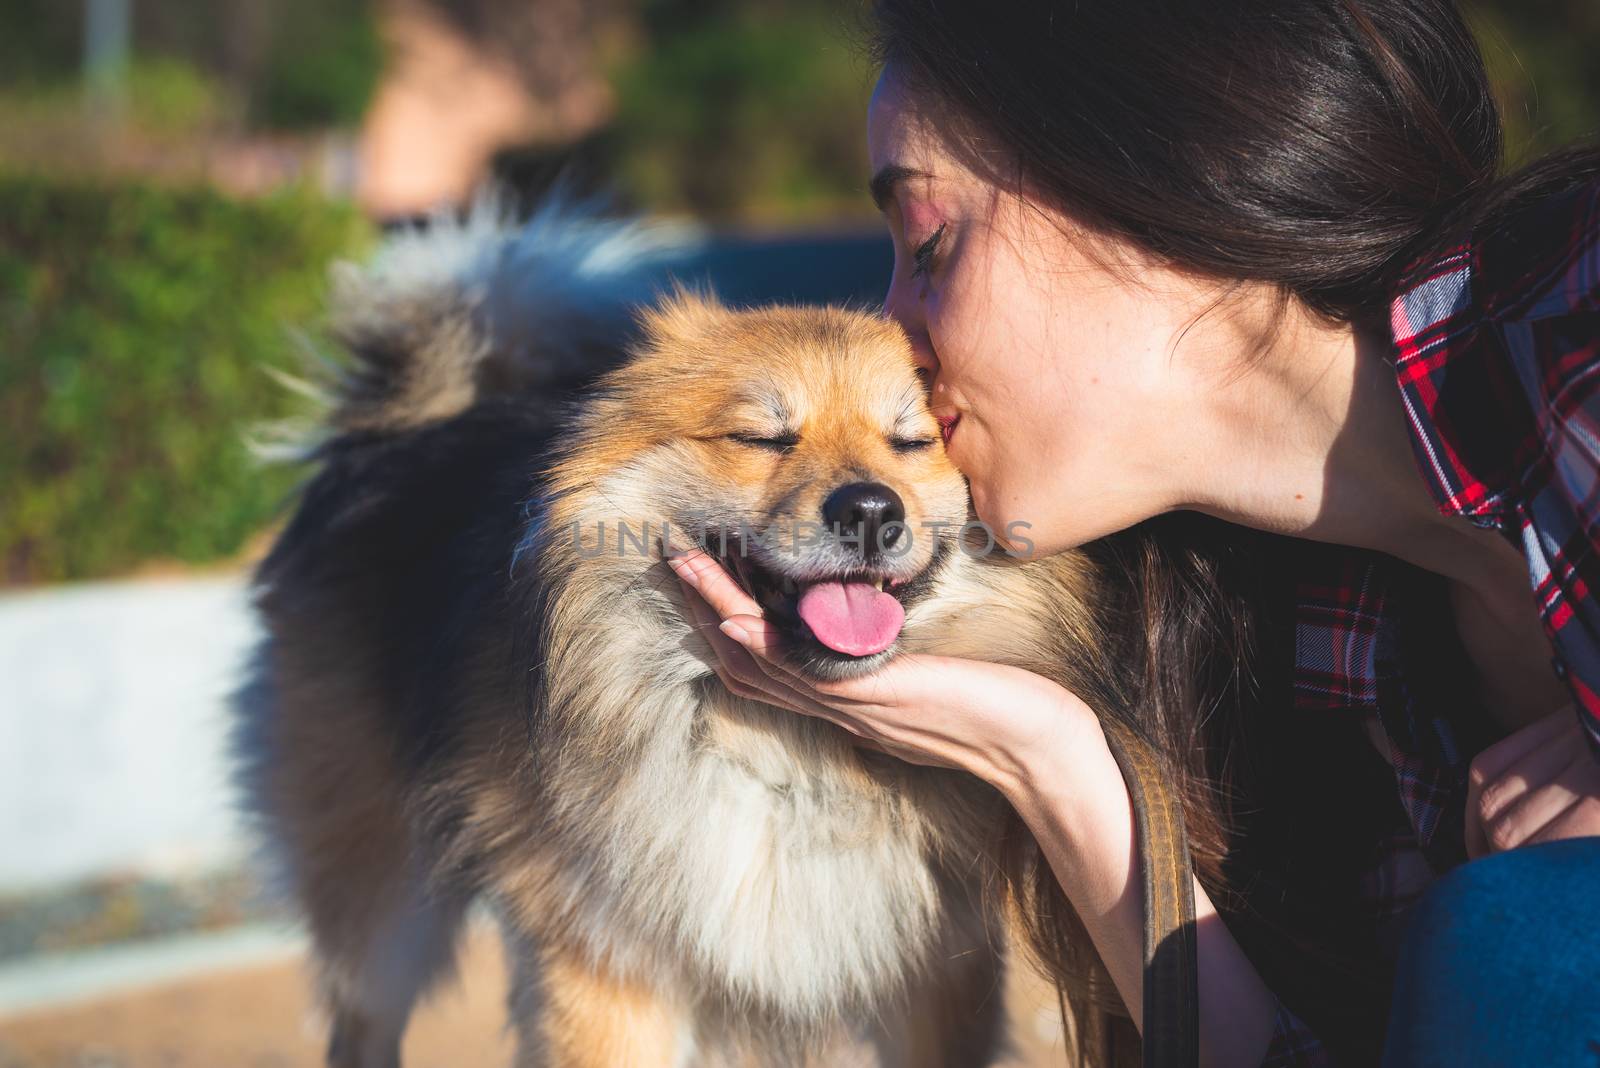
(898, 304)
(922, 353)
(906, 310)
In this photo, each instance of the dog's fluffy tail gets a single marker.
(460, 310)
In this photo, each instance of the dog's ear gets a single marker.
(684, 318)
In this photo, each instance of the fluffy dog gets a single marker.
(479, 679)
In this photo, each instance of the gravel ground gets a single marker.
(262, 1017)
(259, 1017)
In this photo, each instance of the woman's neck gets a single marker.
(1310, 439)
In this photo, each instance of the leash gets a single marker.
(1171, 1036)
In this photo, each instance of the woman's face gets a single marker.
(1054, 377)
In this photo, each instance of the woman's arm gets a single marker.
(1069, 790)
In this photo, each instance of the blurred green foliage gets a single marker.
(755, 108)
(162, 98)
(282, 64)
(726, 108)
(136, 323)
(136, 326)
(42, 41)
(746, 109)
(321, 65)
(171, 96)
(1544, 58)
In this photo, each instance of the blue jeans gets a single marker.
(1500, 964)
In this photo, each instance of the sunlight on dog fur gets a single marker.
(477, 682)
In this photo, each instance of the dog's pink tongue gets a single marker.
(855, 618)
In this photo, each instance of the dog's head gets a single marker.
(794, 444)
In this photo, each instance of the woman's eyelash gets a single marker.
(922, 259)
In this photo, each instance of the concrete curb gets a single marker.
(30, 984)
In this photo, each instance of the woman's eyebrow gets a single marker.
(889, 176)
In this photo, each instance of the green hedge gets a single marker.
(291, 64)
(750, 110)
(321, 66)
(135, 328)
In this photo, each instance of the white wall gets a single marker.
(113, 728)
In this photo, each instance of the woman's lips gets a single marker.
(947, 426)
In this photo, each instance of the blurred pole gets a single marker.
(107, 33)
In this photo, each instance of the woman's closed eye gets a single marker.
(923, 259)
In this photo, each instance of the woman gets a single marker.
(1253, 260)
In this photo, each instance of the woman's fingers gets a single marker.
(1493, 761)
(708, 578)
(1541, 763)
(713, 596)
(733, 658)
(1581, 819)
(1531, 813)
(1516, 791)
(749, 652)
(725, 598)
(729, 602)
(1488, 767)
(741, 672)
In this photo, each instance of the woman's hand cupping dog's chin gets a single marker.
(987, 719)
(1035, 742)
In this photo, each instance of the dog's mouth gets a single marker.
(830, 620)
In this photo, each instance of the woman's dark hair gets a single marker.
(1320, 147)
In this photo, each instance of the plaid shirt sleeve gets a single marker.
(1496, 346)
(1293, 1045)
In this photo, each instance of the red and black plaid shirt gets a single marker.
(1496, 350)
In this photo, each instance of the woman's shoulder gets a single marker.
(1534, 252)
(1541, 258)
(1495, 343)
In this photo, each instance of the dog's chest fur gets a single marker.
(749, 842)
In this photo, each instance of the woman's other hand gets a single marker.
(1539, 784)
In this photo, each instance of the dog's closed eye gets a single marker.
(910, 444)
(776, 443)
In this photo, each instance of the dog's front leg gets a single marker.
(568, 1014)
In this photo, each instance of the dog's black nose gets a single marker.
(867, 510)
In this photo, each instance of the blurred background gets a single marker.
(175, 177)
